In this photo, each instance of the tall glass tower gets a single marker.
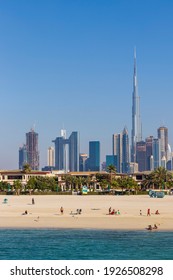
(163, 136)
(117, 150)
(23, 158)
(67, 152)
(94, 156)
(136, 121)
(125, 151)
(32, 149)
(74, 151)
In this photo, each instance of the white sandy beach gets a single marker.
(94, 212)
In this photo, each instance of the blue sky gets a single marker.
(70, 64)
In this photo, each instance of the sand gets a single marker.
(45, 213)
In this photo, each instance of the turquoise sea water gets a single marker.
(67, 244)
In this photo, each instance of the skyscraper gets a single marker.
(136, 122)
(163, 136)
(94, 156)
(141, 155)
(111, 160)
(149, 152)
(125, 151)
(83, 158)
(67, 152)
(32, 149)
(117, 150)
(74, 151)
(120, 145)
(51, 156)
(23, 158)
(156, 147)
(59, 153)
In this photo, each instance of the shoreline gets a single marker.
(94, 214)
(80, 229)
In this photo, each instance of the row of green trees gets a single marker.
(159, 178)
(34, 184)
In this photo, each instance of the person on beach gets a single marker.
(33, 202)
(110, 210)
(157, 212)
(155, 226)
(61, 210)
(149, 227)
(140, 213)
(148, 212)
(25, 213)
(78, 211)
(113, 212)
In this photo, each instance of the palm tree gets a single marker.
(114, 184)
(31, 184)
(68, 179)
(103, 184)
(121, 183)
(26, 168)
(17, 186)
(4, 186)
(131, 184)
(102, 179)
(159, 177)
(148, 182)
(111, 169)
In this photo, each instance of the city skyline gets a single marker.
(70, 64)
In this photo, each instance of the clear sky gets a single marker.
(69, 63)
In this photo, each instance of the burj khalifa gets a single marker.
(136, 120)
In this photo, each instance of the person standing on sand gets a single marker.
(148, 212)
(61, 210)
(140, 213)
(33, 202)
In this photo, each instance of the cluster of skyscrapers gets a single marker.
(139, 156)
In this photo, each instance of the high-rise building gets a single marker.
(156, 147)
(23, 158)
(32, 149)
(125, 151)
(133, 167)
(74, 151)
(51, 156)
(120, 146)
(94, 156)
(149, 152)
(83, 158)
(59, 153)
(67, 152)
(151, 163)
(111, 160)
(141, 155)
(163, 136)
(117, 150)
(136, 121)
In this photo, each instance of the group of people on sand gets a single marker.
(26, 212)
(149, 212)
(113, 212)
(151, 228)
